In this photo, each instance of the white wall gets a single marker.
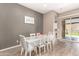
(49, 18)
(48, 22)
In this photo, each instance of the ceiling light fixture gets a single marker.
(45, 5)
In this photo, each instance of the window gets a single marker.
(72, 29)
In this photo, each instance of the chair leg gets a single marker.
(47, 48)
(50, 47)
(22, 51)
(44, 49)
(39, 51)
(36, 50)
(30, 53)
(25, 53)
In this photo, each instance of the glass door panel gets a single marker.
(72, 29)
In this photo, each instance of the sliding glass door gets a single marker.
(72, 29)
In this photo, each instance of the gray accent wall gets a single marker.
(12, 23)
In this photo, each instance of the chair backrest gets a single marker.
(50, 36)
(38, 34)
(23, 41)
(44, 38)
(32, 34)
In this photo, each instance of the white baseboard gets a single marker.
(9, 48)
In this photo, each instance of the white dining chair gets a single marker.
(32, 46)
(32, 34)
(25, 46)
(38, 34)
(22, 43)
(48, 44)
(52, 40)
(41, 44)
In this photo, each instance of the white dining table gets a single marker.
(34, 41)
(35, 38)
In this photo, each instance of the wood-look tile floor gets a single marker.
(59, 49)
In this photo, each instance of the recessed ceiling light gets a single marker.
(45, 5)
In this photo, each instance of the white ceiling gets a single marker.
(46, 7)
